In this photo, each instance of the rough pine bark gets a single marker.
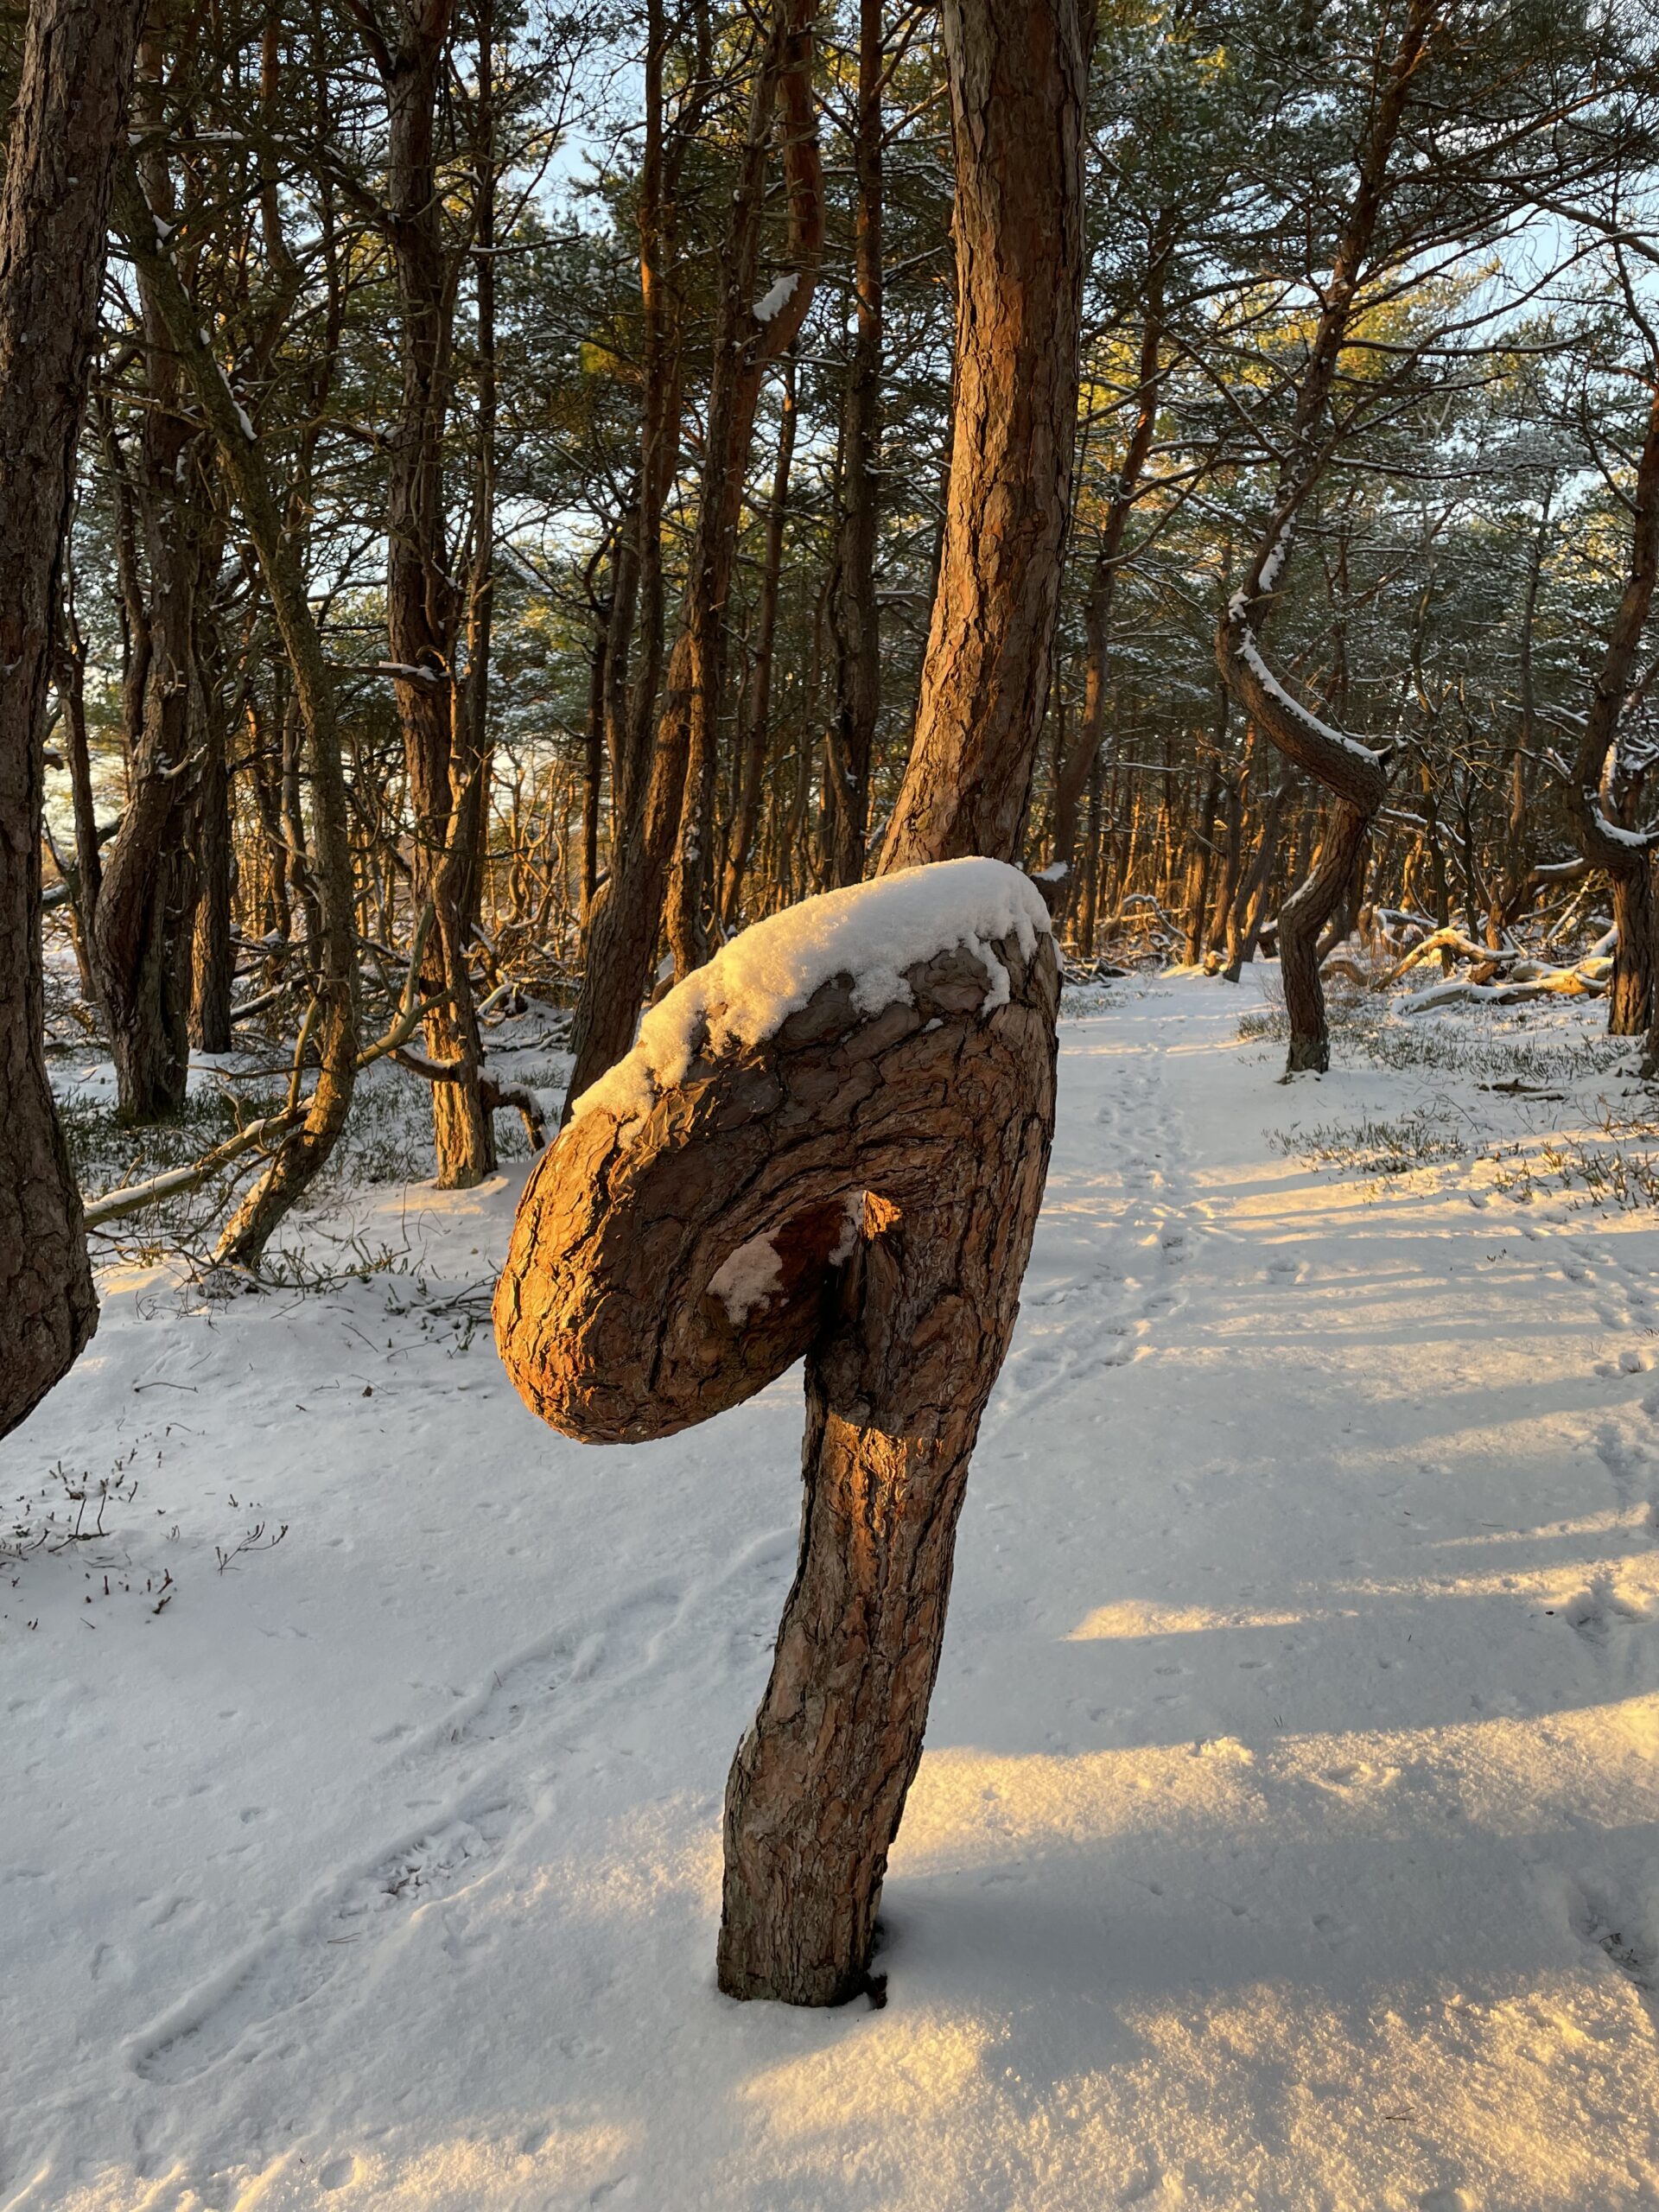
(887, 1169)
(1018, 79)
(77, 72)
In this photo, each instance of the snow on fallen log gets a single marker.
(1543, 982)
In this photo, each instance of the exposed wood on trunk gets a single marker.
(913, 1143)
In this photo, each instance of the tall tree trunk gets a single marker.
(854, 615)
(1019, 72)
(1071, 771)
(676, 809)
(212, 968)
(142, 927)
(446, 781)
(745, 348)
(303, 1147)
(819, 1785)
(77, 59)
(757, 729)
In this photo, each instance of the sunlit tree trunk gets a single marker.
(1019, 72)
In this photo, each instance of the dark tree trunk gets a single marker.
(423, 603)
(757, 726)
(214, 957)
(1357, 777)
(1630, 1000)
(1301, 919)
(854, 618)
(71, 105)
(1605, 841)
(1071, 770)
(306, 1143)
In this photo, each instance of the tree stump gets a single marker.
(859, 1186)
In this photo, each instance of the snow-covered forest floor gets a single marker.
(1286, 1836)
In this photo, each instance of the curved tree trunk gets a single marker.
(1301, 921)
(71, 106)
(1356, 776)
(683, 1244)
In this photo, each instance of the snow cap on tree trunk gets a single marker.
(873, 1053)
(870, 932)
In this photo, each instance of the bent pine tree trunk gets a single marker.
(71, 106)
(861, 1188)
(1356, 777)
(1622, 853)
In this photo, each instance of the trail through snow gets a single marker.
(1287, 1833)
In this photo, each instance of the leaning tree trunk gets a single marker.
(859, 1182)
(71, 106)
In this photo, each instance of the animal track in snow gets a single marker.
(230, 2010)
(1616, 1933)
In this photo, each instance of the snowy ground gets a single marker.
(1286, 1836)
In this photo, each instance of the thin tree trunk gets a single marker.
(757, 735)
(854, 614)
(1071, 771)
(305, 1147)
(677, 797)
